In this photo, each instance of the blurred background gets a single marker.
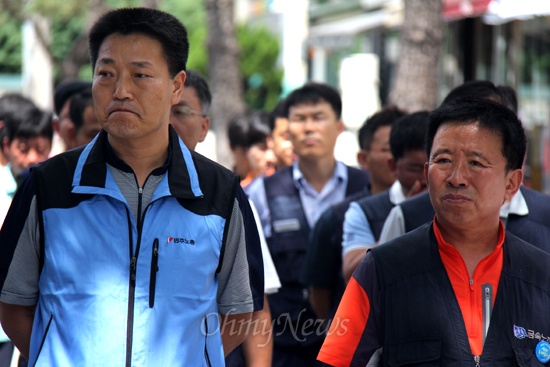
(253, 52)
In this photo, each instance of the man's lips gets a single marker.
(112, 110)
(456, 198)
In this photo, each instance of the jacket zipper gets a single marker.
(487, 309)
(132, 287)
(476, 360)
(154, 269)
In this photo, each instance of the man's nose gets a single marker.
(458, 175)
(122, 88)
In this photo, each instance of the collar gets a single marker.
(91, 170)
(517, 206)
(113, 159)
(446, 247)
(396, 193)
(340, 173)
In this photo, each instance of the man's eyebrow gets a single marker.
(477, 154)
(106, 61)
(141, 64)
(441, 151)
(109, 61)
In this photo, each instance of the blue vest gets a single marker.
(134, 293)
(288, 245)
(376, 209)
(432, 332)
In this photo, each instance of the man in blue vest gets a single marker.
(131, 250)
(460, 290)
(289, 203)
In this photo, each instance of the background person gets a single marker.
(323, 268)
(364, 219)
(189, 116)
(27, 140)
(82, 114)
(62, 123)
(251, 146)
(282, 146)
(289, 203)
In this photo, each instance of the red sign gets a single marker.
(458, 9)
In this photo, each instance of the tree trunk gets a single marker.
(223, 73)
(415, 84)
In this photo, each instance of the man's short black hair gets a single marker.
(385, 117)
(248, 128)
(163, 27)
(28, 122)
(22, 119)
(197, 81)
(65, 90)
(279, 111)
(491, 116)
(79, 103)
(408, 134)
(487, 90)
(313, 93)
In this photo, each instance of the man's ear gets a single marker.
(362, 158)
(71, 135)
(178, 85)
(204, 128)
(514, 180)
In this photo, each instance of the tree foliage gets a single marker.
(68, 20)
(10, 44)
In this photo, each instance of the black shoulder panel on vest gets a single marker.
(376, 209)
(406, 255)
(417, 211)
(530, 264)
(358, 180)
(217, 185)
(54, 179)
(341, 208)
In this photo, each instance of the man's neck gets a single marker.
(142, 158)
(473, 245)
(317, 172)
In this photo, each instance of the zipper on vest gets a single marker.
(154, 269)
(132, 286)
(477, 360)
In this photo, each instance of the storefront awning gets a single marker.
(344, 29)
(502, 11)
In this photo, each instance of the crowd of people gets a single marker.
(130, 248)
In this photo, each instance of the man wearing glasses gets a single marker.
(190, 116)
